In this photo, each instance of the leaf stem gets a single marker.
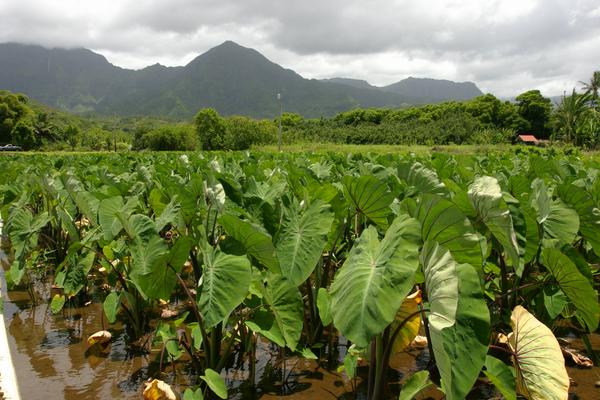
(205, 339)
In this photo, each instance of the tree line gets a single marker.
(482, 120)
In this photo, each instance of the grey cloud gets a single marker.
(501, 44)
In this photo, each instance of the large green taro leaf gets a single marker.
(268, 192)
(169, 214)
(24, 228)
(576, 286)
(285, 301)
(150, 272)
(224, 284)
(153, 264)
(73, 277)
(558, 221)
(301, 242)
(589, 213)
(538, 359)
(110, 210)
(562, 223)
(420, 180)
(369, 288)
(443, 222)
(459, 322)
(257, 243)
(527, 230)
(486, 196)
(263, 323)
(370, 197)
(87, 204)
(139, 227)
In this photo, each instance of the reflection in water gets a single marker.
(58, 339)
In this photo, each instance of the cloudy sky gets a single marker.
(505, 46)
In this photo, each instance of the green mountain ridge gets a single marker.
(230, 78)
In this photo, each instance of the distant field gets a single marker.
(352, 148)
(382, 148)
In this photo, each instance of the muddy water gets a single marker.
(52, 362)
(583, 380)
(49, 352)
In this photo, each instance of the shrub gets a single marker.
(176, 137)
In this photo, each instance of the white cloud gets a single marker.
(505, 46)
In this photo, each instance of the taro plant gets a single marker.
(486, 255)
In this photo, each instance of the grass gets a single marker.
(377, 148)
(344, 148)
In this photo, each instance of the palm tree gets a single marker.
(571, 113)
(593, 87)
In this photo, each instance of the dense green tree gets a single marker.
(174, 137)
(211, 130)
(43, 127)
(290, 120)
(536, 110)
(485, 108)
(71, 135)
(509, 118)
(140, 131)
(492, 112)
(15, 112)
(23, 134)
(243, 132)
(361, 116)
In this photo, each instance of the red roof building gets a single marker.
(527, 139)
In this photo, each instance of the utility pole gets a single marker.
(280, 114)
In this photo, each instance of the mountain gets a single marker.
(230, 78)
(436, 90)
(420, 90)
(357, 83)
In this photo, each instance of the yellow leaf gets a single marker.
(538, 359)
(158, 390)
(101, 337)
(410, 330)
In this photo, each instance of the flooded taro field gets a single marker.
(307, 276)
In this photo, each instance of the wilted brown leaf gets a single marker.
(419, 342)
(577, 358)
(158, 390)
(167, 313)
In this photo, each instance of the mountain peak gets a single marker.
(230, 53)
(229, 43)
